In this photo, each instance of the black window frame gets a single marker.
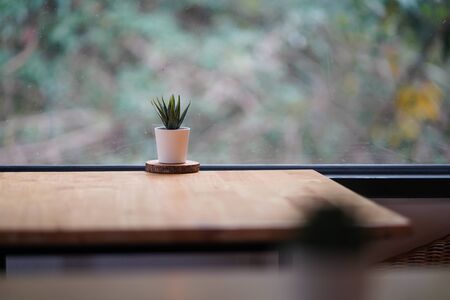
(370, 180)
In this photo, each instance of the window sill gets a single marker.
(374, 181)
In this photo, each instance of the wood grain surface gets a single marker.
(82, 208)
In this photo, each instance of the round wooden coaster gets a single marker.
(154, 166)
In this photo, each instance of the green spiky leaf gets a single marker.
(181, 119)
(170, 112)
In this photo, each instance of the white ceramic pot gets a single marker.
(172, 144)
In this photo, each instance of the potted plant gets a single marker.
(171, 139)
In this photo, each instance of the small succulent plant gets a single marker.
(170, 113)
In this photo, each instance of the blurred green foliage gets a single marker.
(294, 81)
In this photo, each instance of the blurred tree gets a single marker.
(299, 80)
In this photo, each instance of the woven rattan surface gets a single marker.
(436, 253)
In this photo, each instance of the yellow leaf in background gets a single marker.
(404, 99)
(416, 103)
(421, 102)
(407, 129)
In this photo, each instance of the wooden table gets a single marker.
(408, 284)
(79, 209)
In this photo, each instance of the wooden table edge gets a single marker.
(213, 236)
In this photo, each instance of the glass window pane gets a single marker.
(289, 81)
